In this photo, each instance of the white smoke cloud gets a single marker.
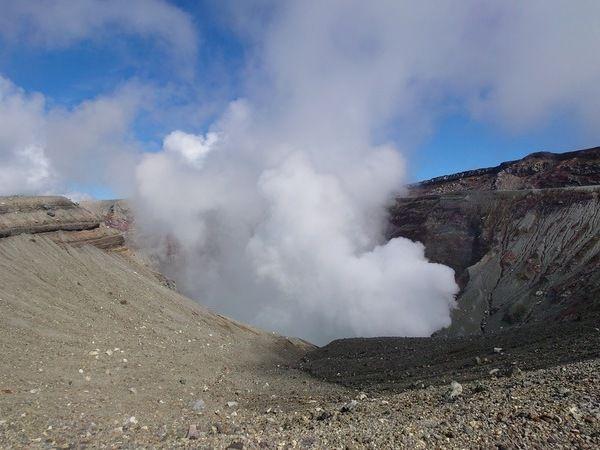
(278, 236)
(317, 247)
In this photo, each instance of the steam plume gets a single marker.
(278, 214)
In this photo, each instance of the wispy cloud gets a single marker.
(56, 24)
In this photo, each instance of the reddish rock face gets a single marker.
(522, 237)
(536, 171)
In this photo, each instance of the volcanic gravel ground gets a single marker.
(97, 353)
(400, 363)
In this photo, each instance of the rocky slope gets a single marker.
(523, 238)
(398, 363)
(510, 390)
(115, 214)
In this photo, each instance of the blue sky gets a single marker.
(83, 67)
(460, 143)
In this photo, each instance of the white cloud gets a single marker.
(44, 150)
(514, 64)
(27, 170)
(24, 166)
(542, 63)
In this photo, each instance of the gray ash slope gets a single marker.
(522, 237)
(90, 338)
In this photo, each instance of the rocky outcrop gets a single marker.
(59, 219)
(43, 214)
(526, 254)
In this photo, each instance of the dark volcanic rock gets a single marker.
(397, 363)
(522, 254)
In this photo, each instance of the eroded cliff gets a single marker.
(522, 239)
